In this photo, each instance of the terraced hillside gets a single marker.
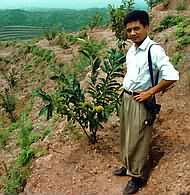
(20, 32)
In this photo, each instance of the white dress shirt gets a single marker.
(138, 75)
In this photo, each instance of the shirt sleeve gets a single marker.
(161, 61)
(127, 56)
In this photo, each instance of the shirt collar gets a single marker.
(143, 45)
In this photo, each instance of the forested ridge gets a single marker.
(68, 19)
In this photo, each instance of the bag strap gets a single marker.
(150, 68)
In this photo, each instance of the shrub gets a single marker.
(65, 40)
(95, 21)
(183, 33)
(168, 22)
(4, 133)
(117, 16)
(92, 50)
(15, 181)
(8, 103)
(10, 77)
(91, 46)
(69, 98)
(82, 34)
(51, 33)
(18, 172)
(41, 54)
(177, 58)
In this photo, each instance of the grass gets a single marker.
(18, 172)
(177, 59)
(15, 180)
(168, 22)
(5, 133)
(183, 34)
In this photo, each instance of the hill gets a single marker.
(67, 19)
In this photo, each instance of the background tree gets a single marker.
(152, 3)
(116, 16)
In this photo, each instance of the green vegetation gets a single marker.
(168, 22)
(183, 33)
(5, 133)
(8, 103)
(19, 170)
(72, 131)
(67, 19)
(19, 132)
(43, 54)
(8, 97)
(96, 21)
(152, 3)
(117, 17)
(69, 98)
(177, 59)
(92, 51)
(87, 46)
(11, 77)
(52, 32)
(65, 40)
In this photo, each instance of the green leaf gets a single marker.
(44, 110)
(85, 53)
(50, 111)
(96, 64)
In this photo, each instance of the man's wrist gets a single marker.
(151, 92)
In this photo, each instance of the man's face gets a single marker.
(137, 32)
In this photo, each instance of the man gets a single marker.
(135, 131)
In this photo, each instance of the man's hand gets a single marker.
(143, 96)
(162, 85)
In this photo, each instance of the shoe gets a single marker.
(120, 172)
(133, 186)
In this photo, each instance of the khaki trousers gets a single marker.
(135, 136)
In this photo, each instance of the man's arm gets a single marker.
(161, 86)
(168, 74)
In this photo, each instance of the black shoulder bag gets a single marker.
(151, 104)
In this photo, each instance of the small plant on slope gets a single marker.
(117, 16)
(69, 99)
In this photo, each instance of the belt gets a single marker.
(131, 92)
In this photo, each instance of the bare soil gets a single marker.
(76, 168)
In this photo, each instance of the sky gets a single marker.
(71, 4)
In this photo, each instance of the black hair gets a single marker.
(137, 15)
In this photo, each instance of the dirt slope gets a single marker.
(76, 168)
